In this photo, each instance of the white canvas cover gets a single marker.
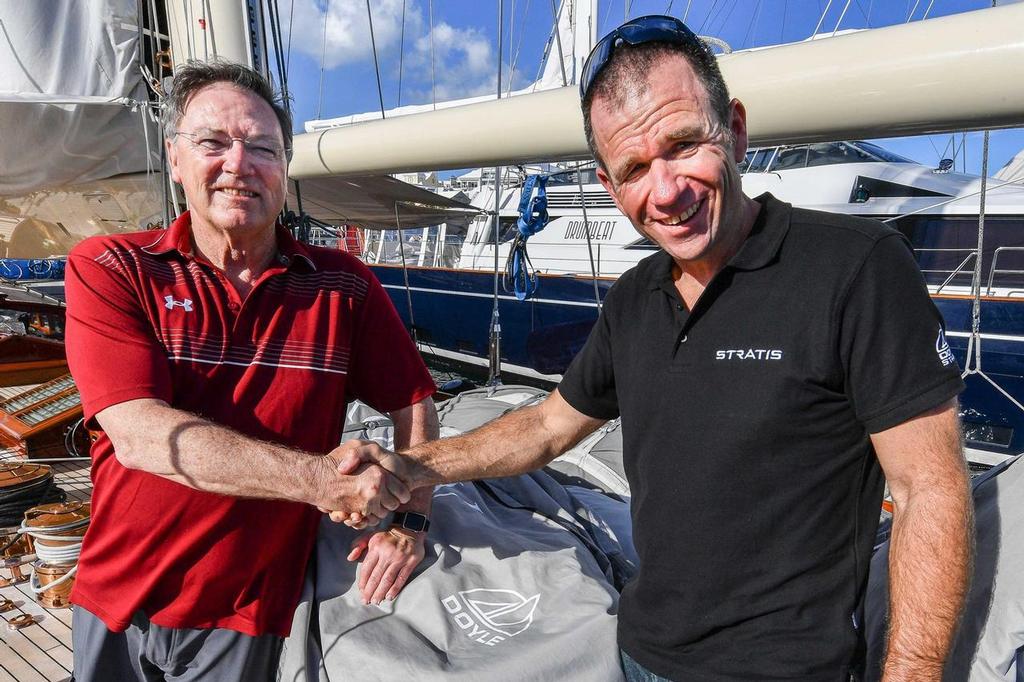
(68, 73)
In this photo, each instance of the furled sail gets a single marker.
(69, 78)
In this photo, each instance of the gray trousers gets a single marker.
(146, 652)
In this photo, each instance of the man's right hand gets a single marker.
(349, 485)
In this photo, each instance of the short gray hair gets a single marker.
(195, 75)
(627, 70)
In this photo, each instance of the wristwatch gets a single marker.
(411, 521)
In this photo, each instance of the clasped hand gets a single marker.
(368, 483)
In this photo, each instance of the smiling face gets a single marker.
(670, 165)
(241, 190)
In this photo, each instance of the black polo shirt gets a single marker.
(746, 422)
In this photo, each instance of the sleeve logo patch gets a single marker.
(942, 349)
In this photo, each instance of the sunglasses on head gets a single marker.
(654, 28)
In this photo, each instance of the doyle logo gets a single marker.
(749, 354)
(171, 304)
(942, 349)
(491, 616)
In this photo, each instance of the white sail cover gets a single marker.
(68, 73)
(1013, 171)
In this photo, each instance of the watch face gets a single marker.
(416, 522)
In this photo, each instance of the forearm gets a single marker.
(520, 441)
(154, 437)
(930, 564)
(415, 425)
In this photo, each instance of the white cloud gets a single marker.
(345, 36)
(465, 64)
(464, 58)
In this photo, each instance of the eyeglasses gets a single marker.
(214, 143)
(654, 28)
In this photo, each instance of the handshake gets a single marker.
(359, 483)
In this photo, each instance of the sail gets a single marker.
(71, 68)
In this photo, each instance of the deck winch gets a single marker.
(56, 530)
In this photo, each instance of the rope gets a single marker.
(61, 555)
(520, 277)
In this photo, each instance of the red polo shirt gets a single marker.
(149, 319)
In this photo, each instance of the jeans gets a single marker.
(636, 672)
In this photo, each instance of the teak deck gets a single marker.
(41, 652)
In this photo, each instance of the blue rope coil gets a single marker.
(520, 277)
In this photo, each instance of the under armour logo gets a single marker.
(170, 303)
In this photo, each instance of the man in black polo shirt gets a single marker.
(768, 363)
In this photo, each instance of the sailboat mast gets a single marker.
(232, 30)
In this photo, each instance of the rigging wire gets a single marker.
(579, 180)
(728, 15)
(558, 41)
(687, 12)
(707, 17)
(753, 22)
(586, 230)
(405, 273)
(323, 58)
(519, 45)
(911, 14)
(668, 10)
(494, 359)
(973, 360)
(822, 19)
(782, 26)
(841, 16)
(930, 5)
(401, 55)
(291, 22)
(376, 66)
(433, 87)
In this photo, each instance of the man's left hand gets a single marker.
(388, 559)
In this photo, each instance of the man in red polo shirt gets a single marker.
(217, 357)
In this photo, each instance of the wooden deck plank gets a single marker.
(42, 652)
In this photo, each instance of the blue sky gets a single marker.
(331, 69)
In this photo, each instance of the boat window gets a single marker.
(790, 157)
(830, 153)
(742, 165)
(757, 160)
(569, 178)
(881, 154)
